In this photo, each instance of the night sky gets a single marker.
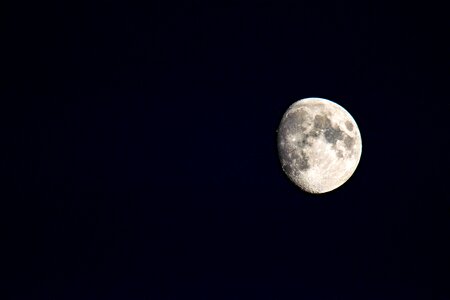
(140, 160)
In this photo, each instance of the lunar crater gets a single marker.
(349, 125)
(349, 142)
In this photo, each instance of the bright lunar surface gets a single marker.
(319, 145)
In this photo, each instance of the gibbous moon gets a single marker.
(319, 145)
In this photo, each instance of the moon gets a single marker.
(319, 145)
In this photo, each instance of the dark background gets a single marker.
(139, 151)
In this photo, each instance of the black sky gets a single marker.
(140, 156)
